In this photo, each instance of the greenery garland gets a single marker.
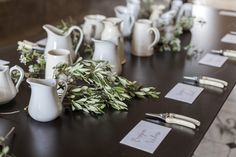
(104, 89)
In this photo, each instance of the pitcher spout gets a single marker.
(50, 29)
(42, 82)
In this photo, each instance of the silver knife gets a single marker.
(207, 81)
(227, 53)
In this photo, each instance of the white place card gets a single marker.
(185, 93)
(229, 38)
(228, 13)
(146, 136)
(213, 60)
(4, 62)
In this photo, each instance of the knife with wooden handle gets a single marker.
(180, 122)
(216, 80)
(192, 120)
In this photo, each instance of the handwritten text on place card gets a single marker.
(145, 136)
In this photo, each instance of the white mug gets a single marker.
(55, 57)
(144, 38)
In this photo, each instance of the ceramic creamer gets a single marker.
(107, 50)
(45, 104)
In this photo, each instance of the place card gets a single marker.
(228, 13)
(213, 60)
(185, 93)
(146, 136)
(4, 62)
(229, 38)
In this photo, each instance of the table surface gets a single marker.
(76, 134)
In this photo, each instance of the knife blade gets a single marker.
(227, 53)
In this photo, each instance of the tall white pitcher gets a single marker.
(57, 39)
(93, 26)
(112, 32)
(144, 38)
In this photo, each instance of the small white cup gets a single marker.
(55, 57)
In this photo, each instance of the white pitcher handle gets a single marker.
(17, 68)
(132, 21)
(156, 38)
(65, 90)
(81, 37)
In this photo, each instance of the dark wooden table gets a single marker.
(75, 134)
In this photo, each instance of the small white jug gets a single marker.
(123, 13)
(143, 40)
(112, 32)
(93, 27)
(7, 88)
(134, 7)
(57, 39)
(45, 104)
(107, 50)
(176, 5)
(167, 18)
(55, 57)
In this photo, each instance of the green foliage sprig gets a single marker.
(174, 44)
(104, 89)
(31, 58)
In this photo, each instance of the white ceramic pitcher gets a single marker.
(112, 32)
(7, 88)
(57, 39)
(144, 38)
(45, 104)
(123, 13)
(107, 50)
(93, 27)
(134, 7)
